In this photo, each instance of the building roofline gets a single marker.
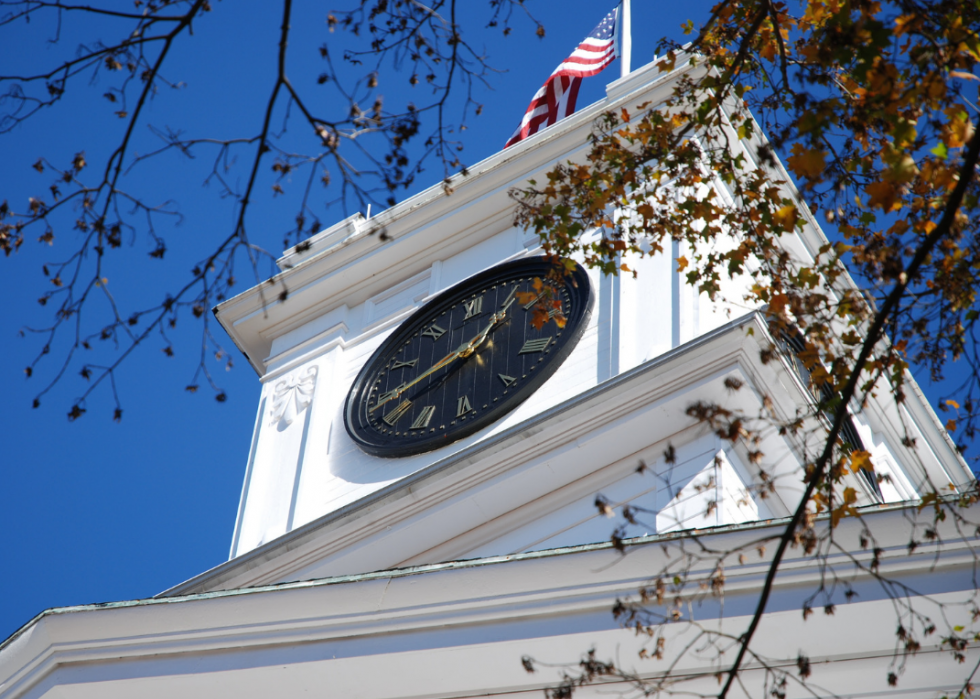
(396, 573)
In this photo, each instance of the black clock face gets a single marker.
(468, 357)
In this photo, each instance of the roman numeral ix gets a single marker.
(433, 331)
(391, 394)
(399, 365)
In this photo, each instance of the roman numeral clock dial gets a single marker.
(468, 357)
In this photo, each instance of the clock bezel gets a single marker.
(579, 287)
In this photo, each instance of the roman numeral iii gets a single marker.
(538, 345)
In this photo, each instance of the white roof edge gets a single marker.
(953, 550)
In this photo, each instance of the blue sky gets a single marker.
(92, 510)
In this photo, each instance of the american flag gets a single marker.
(556, 98)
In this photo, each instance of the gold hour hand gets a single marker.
(495, 320)
(471, 346)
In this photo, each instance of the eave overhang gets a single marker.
(349, 262)
(382, 629)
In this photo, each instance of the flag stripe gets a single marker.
(556, 99)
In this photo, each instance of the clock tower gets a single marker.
(446, 424)
(403, 368)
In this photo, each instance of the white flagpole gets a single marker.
(625, 40)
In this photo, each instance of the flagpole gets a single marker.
(625, 40)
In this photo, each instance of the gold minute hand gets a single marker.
(465, 350)
(449, 358)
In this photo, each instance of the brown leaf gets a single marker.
(883, 195)
(807, 162)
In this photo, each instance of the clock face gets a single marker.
(468, 357)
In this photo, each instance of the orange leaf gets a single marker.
(861, 460)
(960, 131)
(777, 303)
(768, 50)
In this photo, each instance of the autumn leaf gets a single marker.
(526, 297)
(861, 460)
(777, 304)
(960, 130)
(884, 195)
(785, 217)
(807, 162)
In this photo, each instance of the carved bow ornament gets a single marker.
(292, 396)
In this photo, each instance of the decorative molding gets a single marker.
(485, 612)
(291, 397)
(298, 354)
(398, 298)
(349, 228)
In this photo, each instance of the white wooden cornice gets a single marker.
(349, 262)
(484, 614)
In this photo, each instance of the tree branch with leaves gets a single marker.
(873, 107)
(345, 153)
